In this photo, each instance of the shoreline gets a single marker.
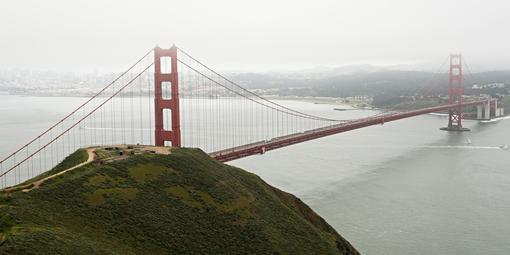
(324, 100)
(337, 101)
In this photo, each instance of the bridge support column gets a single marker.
(484, 111)
(479, 112)
(169, 78)
(455, 95)
(496, 108)
(488, 110)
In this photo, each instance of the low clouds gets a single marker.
(252, 35)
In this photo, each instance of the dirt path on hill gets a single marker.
(36, 184)
(91, 157)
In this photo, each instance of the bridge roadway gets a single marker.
(279, 142)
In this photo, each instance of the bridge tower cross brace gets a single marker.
(455, 93)
(168, 76)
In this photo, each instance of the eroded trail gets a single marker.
(92, 156)
(36, 184)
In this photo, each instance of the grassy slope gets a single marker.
(73, 159)
(184, 203)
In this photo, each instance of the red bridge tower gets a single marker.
(169, 78)
(455, 94)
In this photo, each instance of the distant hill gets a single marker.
(182, 203)
(368, 82)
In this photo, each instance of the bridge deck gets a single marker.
(263, 146)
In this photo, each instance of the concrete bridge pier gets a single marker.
(498, 112)
(483, 111)
(487, 114)
(480, 112)
(488, 110)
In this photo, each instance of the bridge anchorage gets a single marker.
(170, 99)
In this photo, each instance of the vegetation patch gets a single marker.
(4, 199)
(144, 173)
(104, 181)
(98, 180)
(6, 227)
(236, 204)
(184, 196)
(100, 196)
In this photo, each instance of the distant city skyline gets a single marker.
(259, 36)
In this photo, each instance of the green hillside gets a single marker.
(182, 203)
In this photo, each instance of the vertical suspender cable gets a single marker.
(140, 99)
(150, 111)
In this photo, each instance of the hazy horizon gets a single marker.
(259, 36)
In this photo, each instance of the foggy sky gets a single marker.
(260, 35)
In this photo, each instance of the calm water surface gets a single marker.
(402, 188)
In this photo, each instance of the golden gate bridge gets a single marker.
(169, 98)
